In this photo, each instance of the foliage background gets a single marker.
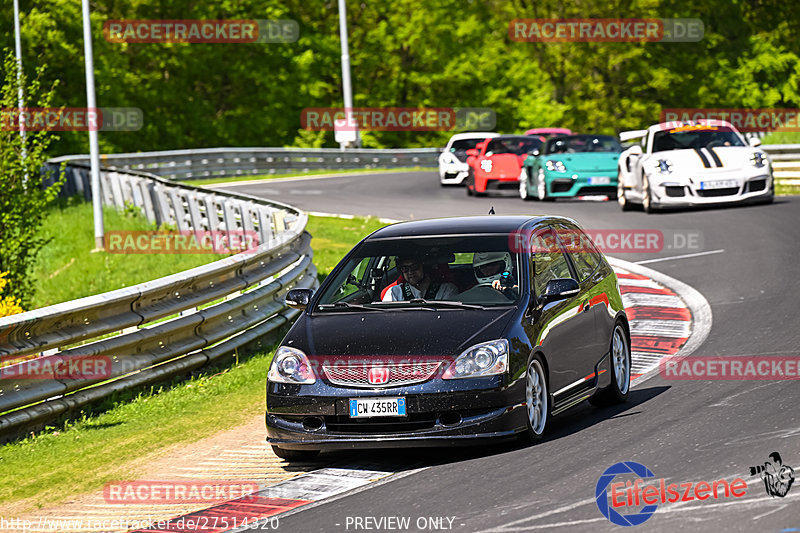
(407, 53)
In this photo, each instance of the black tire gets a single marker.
(617, 391)
(532, 397)
(622, 199)
(647, 197)
(523, 185)
(295, 455)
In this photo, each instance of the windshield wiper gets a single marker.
(348, 305)
(445, 303)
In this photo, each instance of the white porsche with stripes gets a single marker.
(682, 164)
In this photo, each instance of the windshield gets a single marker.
(582, 143)
(464, 144)
(688, 137)
(469, 270)
(513, 145)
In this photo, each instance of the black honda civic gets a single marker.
(449, 331)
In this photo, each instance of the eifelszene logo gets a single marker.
(629, 495)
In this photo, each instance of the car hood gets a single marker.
(395, 332)
(587, 161)
(730, 158)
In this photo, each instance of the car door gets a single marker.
(587, 263)
(565, 334)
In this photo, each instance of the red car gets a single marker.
(495, 164)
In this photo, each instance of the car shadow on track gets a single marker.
(577, 419)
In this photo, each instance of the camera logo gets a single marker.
(777, 477)
(602, 494)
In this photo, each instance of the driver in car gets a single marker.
(418, 283)
(494, 269)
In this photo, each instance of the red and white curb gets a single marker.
(250, 512)
(667, 317)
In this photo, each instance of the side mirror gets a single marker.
(560, 289)
(473, 152)
(298, 298)
(636, 149)
(754, 141)
(535, 152)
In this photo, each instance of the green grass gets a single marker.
(81, 456)
(214, 181)
(782, 189)
(67, 269)
(334, 237)
(782, 137)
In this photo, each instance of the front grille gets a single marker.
(674, 191)
(561, 185)
(711, 193)
(353, 375)
(413, 422)
(498, 185)
(595, 190)
(757, 185)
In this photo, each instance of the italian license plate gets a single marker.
(718, 184)
(367, 407)
(599, 180)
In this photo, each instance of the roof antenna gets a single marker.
(491, 210)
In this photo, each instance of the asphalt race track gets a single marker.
(744, 263)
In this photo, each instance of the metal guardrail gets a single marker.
(210, 163)
(785, 162)
(164, 327)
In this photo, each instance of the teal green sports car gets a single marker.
(571, 165)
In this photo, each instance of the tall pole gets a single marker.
(20, 96)
(346, 89)
(94, 150)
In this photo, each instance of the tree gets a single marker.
(23, 199)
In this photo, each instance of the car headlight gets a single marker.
(290, 365)
(486, 165)
(555, 166)
(664, 166)
(485, 359)
(759, 159)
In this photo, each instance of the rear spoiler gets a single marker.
(634, 134)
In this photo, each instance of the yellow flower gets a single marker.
(8, 305)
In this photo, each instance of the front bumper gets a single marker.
(450, 414)
(565, 184)
(687, 193)
(453, 173)
(498, 182)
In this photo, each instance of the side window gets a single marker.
(581, 249)
(548, 261)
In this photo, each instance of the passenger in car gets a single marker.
(418, 283)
